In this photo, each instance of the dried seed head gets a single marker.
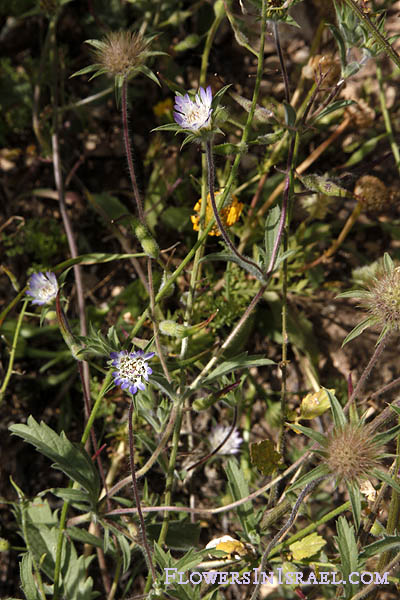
(372, 193)
(121, 52)
(361, 114)
(351, 452)
(383, 301)
(325, 65)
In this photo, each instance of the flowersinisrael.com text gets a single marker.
(273, 577)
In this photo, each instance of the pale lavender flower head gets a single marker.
(194, 115)
(42, 288)
(131, 368)
(232, 444)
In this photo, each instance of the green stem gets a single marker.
(211, 176)
(309, 487)
(386, 117)
(207, 47)
(13, 350)
(171, 474)
(394, 509)
(312, 527)
(378, 37)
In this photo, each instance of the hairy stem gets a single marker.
(144, 540)
(309, 487)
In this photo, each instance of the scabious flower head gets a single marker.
(381, 299)
(42, 288)
(232, 444)
(131, 368)
(351, 452)
(194, 114)
(229, 214)
(120, 52)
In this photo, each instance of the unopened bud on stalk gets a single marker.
(173, 329)
(148, 243)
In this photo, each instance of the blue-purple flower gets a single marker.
(131, 368)
(42, 288)
(194, 115)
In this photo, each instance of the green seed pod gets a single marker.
(148, 243)
(219, 9)
(150, 247)
(173, 329)
(316, 183)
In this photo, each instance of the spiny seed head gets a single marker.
(383, 301)
(372, 193)
(121, 52)
(351, 452)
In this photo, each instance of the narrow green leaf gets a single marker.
(311, 433)
(358, 329)
(81, 535)
(290, 115)
(242, 361)
(271, 231)
(382, 476)
(355, 499)
(239, 489)
(388, 263)
(339, 417)
(331, 108)
(389, 542)
(308, 477)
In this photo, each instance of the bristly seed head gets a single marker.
(121, 52)
(383, 300)
(351, 452)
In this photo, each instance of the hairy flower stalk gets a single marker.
(284, 530)
(131, 369)
(211, 177)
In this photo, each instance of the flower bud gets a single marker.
(148, 243)
(173, 329)
(4, 545)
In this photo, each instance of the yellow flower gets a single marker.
(163, 107)
(229, 214)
